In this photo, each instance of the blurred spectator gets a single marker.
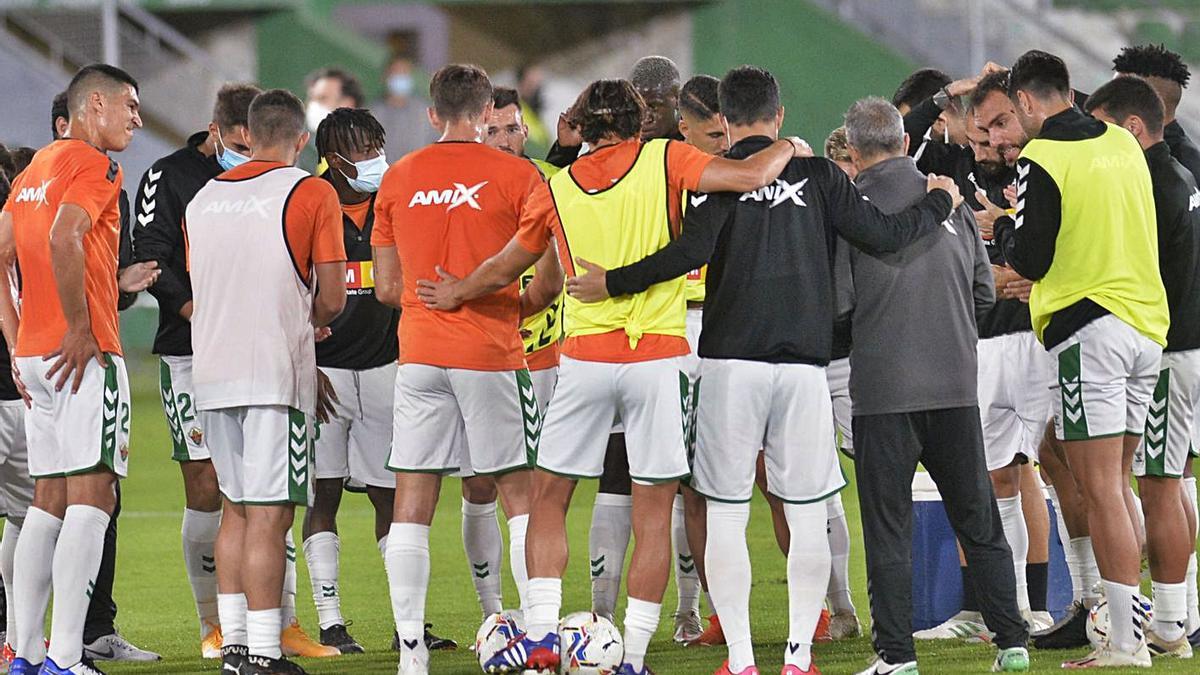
(21, 158)
(529, 87)
(330, 88)
(402, 111)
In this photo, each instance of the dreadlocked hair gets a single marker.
(607, 107)
(347, 129)
(1152, 61)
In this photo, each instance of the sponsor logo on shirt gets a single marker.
(35, 195)
(1194, 200)
(360, 277)
(453, 198)
(249, 205)
(777, 193)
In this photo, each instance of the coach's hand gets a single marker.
(936, 182)
(589, 287)
(138, 276)
(986, 219)
(71, 359)
(439, 294)
(326, 397)
(1018, 289)
(800, 147)
(568, 136)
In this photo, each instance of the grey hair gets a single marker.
(874, 127)
(654, 72)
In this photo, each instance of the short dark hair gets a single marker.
(919, 86)
(349, 83)
(233, 105)
(502, 97)
(58, 108)
(652, 73)
(347, 128)
(1128, 95)
(460, 90)
(276, 117)
(749, 94)
(5, 187)
(21, 157)
(93, 77)
(699, 97)
(1153, 61)
(1041, 74)
(7, 168)
(995, 82)
(607, 107)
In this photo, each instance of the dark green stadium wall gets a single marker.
(822, 64)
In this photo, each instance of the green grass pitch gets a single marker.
(156, 609)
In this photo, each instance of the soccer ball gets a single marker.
(589, 645)
(496, 632)
(1099, 621)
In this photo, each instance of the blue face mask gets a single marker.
(227, 158)
(370, 174)
(400, 85)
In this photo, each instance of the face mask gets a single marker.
(370, 174)
(315, 114)
(228, 159)
(400, 85)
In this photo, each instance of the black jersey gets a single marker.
(159, 204)
(364, 334)
(1177, 207)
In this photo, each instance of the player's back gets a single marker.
(454, 205)
(66, 172)
(251, 333)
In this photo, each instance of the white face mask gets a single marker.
(315, 114)
(370, 174)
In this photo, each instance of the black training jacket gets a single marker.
(1182, 148)
(364, 335)
(159, 204)
(1177, 207)
(769, 294)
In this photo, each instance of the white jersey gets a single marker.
(252, 335)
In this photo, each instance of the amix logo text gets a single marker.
(777, 193)
(453, 198)
(249, 205)
(35, 195)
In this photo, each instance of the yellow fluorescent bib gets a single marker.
(545, 328)
(1107, 246)
(618, 226)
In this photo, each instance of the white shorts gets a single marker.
(356, 442)
(262, 454)
(16, 487)
(187, 435)
(1105, 375)
(81, 432)
(782, 408)
(1171, 422)
(691, 368)
(544, 382)
(647, 397)
(1015, 376)
(837, 374)
(447, 418)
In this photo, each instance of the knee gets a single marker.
(1006, 482)
(479, 489)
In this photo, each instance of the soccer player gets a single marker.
(1087, 240)
(768, 390)
(1130, 101)
(464, 397)
(915, 400)
(16, 486)
(254, 372)
(357, 371)
(615, 205)
(69, 353)
(1168, 75)
(541, 334)
(101, 641)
